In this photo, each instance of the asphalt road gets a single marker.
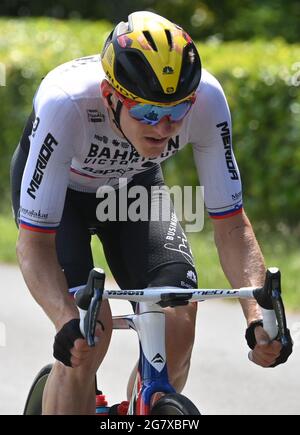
(221, 381)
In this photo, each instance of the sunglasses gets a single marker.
(151, 114)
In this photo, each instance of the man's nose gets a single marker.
(164, 126)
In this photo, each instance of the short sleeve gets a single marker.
(56, 133)
(211, 137)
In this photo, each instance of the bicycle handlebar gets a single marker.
(89, 298)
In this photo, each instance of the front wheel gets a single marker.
(174, 404)
(35, 397)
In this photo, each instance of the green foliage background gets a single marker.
(226, 19)
(261, 81)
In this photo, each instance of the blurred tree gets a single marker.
(226, 20)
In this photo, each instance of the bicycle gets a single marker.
(152, 375)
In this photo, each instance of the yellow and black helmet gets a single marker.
(151, 60)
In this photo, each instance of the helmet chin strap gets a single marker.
(117, 117)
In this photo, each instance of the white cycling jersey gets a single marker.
(73, 145)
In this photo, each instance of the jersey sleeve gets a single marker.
(211, 137)
(56, 133)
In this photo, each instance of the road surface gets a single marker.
(221, 381)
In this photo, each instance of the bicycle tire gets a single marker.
(174, 404)
(34, 400)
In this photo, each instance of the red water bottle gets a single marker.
(101, 405)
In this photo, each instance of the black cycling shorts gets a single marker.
(140, 254)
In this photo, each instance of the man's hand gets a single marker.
(69, 345)
(266, 351)
(81, 351)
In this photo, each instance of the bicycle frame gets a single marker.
(152, 374)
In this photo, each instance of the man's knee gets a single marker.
(64, 374)
(180, 323)
(77, 375)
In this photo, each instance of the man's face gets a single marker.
(148, 140)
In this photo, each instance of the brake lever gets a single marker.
(90, 320)
(279, 309)
(89, 301)
(269, 298)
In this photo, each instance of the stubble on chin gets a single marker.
(148, 151)
(151, 154)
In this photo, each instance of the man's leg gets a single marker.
(180, 327)
(156, 253)
(72, 390)
(140, 255)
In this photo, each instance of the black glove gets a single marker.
(250, 335)
(64, 341)
(286, 350)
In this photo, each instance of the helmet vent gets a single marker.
(169, 38)
(150, 40)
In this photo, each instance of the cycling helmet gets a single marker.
(151, 60)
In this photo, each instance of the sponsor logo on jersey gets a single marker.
(36, 124)
(226, 138)
(172, 228)
(118, 143)
(177, 241)
(186, 285)
(95, 116)
(192, 276)
(34, 214)
(44, 156)
(236, 196)
(104, 155)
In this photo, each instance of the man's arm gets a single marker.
(43, 275)
(241, 258)
(243, 265)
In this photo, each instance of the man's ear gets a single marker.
(107, 92)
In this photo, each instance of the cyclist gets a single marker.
(119, 115)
